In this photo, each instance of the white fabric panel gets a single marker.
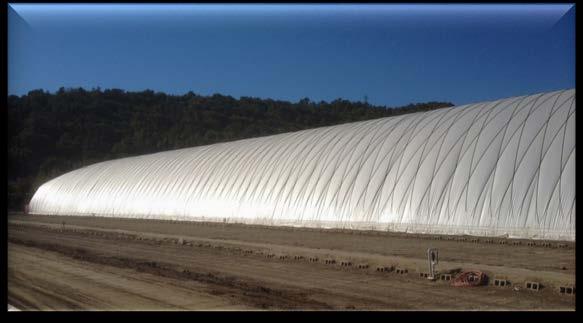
(501, 168)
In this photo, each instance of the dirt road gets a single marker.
(97, 263)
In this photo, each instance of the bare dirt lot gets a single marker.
(70, 263)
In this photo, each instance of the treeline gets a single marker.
(52, 133)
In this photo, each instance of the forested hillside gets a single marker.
(53, 133)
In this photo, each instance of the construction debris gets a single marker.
(470, 278)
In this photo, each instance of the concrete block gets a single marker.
(567, 290)
(501, 282)
(534, 286)
(385, 269)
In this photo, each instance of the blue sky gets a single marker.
(393, 54)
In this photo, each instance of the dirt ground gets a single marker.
(72, 263)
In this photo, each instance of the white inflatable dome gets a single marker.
(502, 168)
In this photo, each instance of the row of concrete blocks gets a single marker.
(346, 264)
(350, 264)
(390, 269)
(548, 245)
(535, 286)
(444, 277)
(396, 270)
(493, 241)
(502, 282)
(184, 242)
(473, 240)
(286, 257)
(530, 285)
(545, 244)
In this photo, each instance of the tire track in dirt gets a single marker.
(249, 292)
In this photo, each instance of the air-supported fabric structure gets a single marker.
(501, 168)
